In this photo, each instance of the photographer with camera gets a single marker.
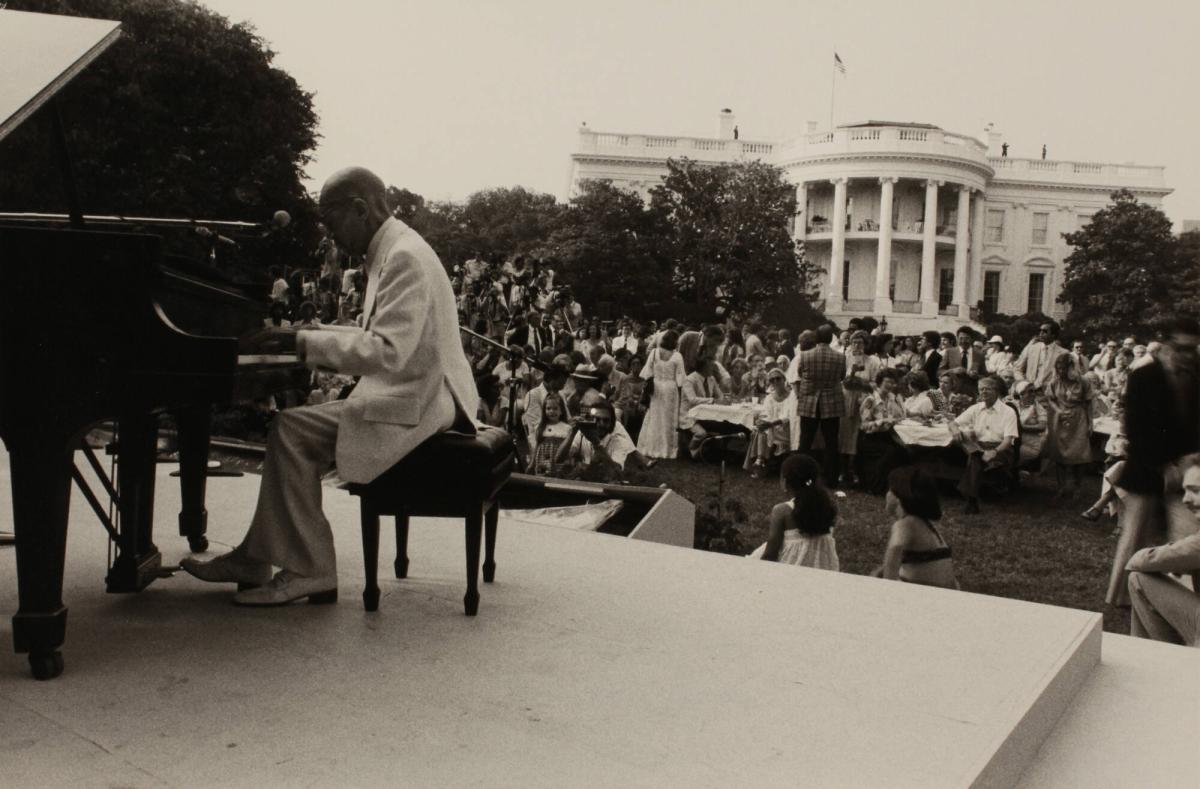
(597, 445)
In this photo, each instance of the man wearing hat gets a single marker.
(587, 389)
(995, 357)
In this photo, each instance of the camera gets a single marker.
(585, 422)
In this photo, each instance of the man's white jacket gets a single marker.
(407, 349)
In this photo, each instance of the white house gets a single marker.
(864, 191)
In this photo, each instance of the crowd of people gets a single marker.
(604, 398)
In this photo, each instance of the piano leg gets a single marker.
(41, 495)
(138, 560)
(194, 425)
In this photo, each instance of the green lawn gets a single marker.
(1025, 546)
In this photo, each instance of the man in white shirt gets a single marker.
(987, 432)
(626, 339)
(598, 449)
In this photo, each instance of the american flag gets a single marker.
(838, 64)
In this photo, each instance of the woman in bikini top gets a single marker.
(916, 552)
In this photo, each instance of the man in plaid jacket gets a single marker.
(819, 399)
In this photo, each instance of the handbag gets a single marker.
(647, 392)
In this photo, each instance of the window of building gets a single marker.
(845, 280)
(1037, 291)
(995, 226)
(946, 288)
(991, 292)
(1041, 224)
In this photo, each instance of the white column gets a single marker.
(837, 251)
(975, 286)
(883, 260)
(801, 211)
(960, 252)
(929, 250)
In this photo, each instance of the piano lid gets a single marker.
(40, 54)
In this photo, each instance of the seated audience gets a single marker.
(596, 446)
(1163, 608)
(699, 388)
(802, 527)
(877, 452)
(1033, 421)
(772, 436)
(923, 403)
(916, 552)
(986, 431)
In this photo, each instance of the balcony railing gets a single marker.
(1150, 176)
(660, 147)
(949, 309)
(910, 307)
(858, 305)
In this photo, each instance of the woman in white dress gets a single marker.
(664, 366)
(802, 528)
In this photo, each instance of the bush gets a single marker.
(719, 526)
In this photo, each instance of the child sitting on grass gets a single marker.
(801, 528)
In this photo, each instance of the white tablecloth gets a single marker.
(916, 434)
(742, 414)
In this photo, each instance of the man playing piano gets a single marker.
(415, 382)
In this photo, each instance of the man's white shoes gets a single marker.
(287, 587)
(229, 568)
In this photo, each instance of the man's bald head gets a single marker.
(353, 205)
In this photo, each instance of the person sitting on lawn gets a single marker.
(1163, 608)
(699, 388)
(596, 446)
(916, 552)
(1034, 419)
(924, 403)
(986, 431)
(878, 452)
(802, 527)
(772, 436)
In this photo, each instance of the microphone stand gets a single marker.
(514, 360)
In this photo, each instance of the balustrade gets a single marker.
(908, 307)
(859, 305)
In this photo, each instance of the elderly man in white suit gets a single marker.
(415, 382)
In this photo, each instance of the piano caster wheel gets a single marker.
(46, 665)
(198, 544)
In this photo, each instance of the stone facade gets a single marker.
(863, 193)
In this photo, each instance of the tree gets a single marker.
(729, 238)
(405, 205)
(185, 116)
(1123, 274)
(608, 247)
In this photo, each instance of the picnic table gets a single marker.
(743, 415)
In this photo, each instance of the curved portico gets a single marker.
(894, 204)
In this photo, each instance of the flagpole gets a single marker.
(832, 89)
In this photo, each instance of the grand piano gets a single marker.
(134, 333)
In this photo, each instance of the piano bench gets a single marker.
(450, 475)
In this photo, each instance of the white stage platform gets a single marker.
(594, 661)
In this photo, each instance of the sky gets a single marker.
(447, 97)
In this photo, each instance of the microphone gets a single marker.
(204, 232)
(280, 219)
